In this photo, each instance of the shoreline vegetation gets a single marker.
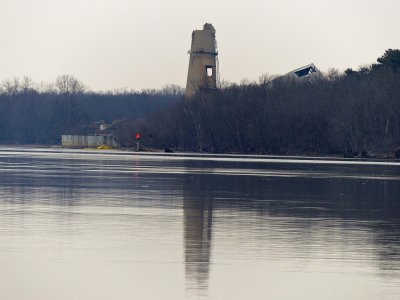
(350, 114)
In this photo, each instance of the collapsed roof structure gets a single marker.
(308, 71)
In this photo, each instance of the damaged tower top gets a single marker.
(203, 63)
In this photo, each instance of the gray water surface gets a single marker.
(78, 224)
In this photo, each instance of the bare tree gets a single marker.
(11, 87)
(173, 90)
(28, 86)
(69, 85)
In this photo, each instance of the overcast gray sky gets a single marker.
(143, 43)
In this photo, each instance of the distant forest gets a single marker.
(32, 113)
(352, 113)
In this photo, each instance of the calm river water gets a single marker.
(78, 224)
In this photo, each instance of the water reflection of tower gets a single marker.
(197, 208)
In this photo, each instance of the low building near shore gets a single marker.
(88, 141)
(94, 135)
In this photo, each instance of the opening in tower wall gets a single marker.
(209, 71)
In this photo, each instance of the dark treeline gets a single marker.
(33, 113)
(351, 113)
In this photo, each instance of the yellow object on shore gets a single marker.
(104, 147)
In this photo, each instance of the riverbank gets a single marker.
(159, 152)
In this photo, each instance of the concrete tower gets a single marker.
(203, 67)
